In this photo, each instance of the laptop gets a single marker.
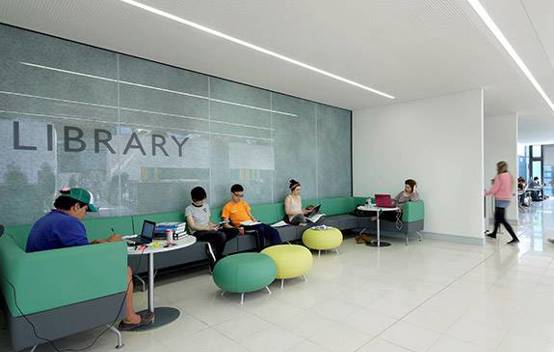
(384, 201)
(145, 236)
(314, 210)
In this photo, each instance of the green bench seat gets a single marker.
(52, 286)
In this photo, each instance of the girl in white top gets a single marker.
(293, 205)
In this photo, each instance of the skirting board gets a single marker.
(453, 238)
(436, 236)
(512, 222)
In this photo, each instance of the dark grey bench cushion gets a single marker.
(289, 232)
(196, 252)
(346, 221)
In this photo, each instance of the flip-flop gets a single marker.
(146, 318)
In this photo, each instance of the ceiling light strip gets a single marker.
(482, 12)
(251, 46)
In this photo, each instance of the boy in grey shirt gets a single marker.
(198, 220)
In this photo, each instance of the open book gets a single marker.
(280, 224)
(315, 217)
(250, 223)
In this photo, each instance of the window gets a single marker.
(536, 169)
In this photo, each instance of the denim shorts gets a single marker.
(502, 203)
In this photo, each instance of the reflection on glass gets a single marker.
(140, 135)
(548, 169)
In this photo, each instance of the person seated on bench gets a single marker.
(62, 227)
(237, 211)
(295, 214)
(409, 194)
(198, 221)
(522, 191)
(536, 189)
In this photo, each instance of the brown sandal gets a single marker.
(146, 318)
(362, 239)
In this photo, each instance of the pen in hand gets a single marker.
(113, 236)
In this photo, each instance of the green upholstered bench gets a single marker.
(269, 213)
(338, 210)
(413, 221)
(62, 291)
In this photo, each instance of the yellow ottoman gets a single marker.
(322, 239)
(291, 260)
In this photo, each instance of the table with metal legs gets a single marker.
(378, 210)
(162, 315)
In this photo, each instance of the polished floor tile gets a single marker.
(380, 345)
(429, 296)
(411, 337)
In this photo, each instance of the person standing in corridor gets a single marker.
(501, 189)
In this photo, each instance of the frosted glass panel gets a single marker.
(140, 135)
(295, 142)
(334, 160)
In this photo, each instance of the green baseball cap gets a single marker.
(82, 195)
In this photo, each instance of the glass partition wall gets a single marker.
(140, 134)
(548, 169)
(538, 161)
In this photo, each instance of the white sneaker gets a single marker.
(210, 253)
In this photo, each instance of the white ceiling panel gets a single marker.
(536, 129)
(412, 49)
(541, 14)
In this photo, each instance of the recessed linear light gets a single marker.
(482, 12)
(251, 46)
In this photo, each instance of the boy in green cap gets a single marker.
(62, 227)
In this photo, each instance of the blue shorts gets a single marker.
(502, 203)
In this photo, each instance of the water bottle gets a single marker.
(169, 236)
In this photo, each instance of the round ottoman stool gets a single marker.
(291, 260)
(322, 239)
(244, 272)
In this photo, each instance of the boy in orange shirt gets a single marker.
(237, 211)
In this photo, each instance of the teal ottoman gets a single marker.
(244, 272)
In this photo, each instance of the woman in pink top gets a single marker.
(502, 190)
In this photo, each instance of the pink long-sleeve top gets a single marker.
(502, 186)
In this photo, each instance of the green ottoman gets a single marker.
(244, 272)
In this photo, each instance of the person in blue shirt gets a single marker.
(62, 227)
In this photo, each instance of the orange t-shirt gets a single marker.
(236, 212)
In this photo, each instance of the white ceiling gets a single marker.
(536, 129)
(412, 49)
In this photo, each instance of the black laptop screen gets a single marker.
(148, 229)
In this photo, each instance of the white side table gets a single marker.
(162, 315)
(378, 210)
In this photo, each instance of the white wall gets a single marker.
(501, 144)
(439, 143)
